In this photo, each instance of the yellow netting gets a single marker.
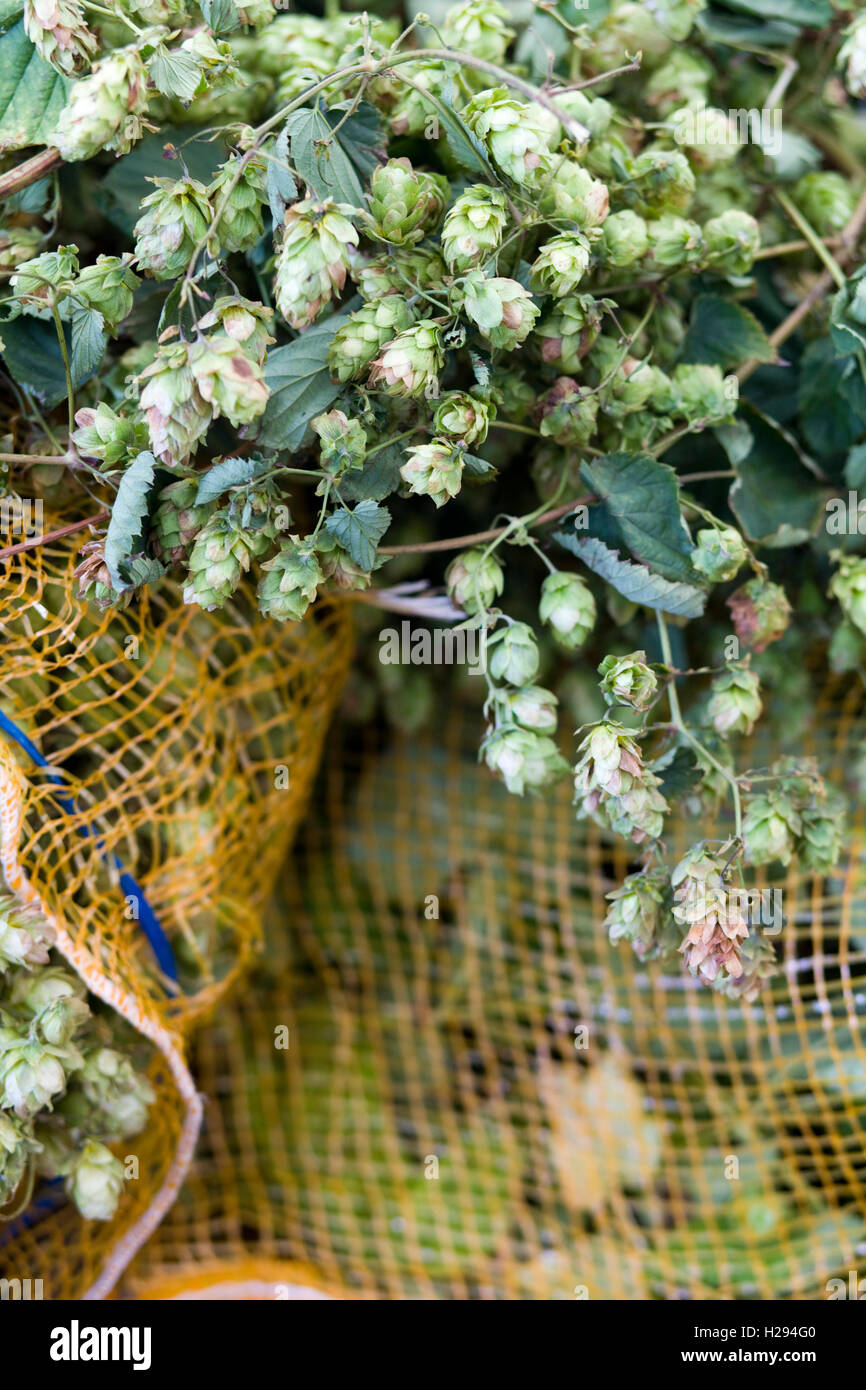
(433, 1131)
(186, 742)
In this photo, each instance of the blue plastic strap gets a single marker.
(150, 923)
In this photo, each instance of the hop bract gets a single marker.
(514, 656)
(479, 27)
(178, 216)
(433, 470)
(289, 581)
(473, 226)
(719, 553)
(568, 606)
(735, 701)
(628, 680)
(526, 761)
(60, 33)
(474, 580)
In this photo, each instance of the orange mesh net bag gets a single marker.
(444, 1082)
(154, 765)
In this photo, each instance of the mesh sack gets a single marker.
(435, 1129)
(154, 764)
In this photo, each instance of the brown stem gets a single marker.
(32, 169)
(478, 537)
(633, 66)
(53, 535)
(36, 458)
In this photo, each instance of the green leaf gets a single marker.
(128, 515)
(723, 27)
(175, 73)
(811, 14)
(300, 385)
(827, 420)
(724, 334)
(379, 477)
(680, 774)
(88, 338)
(641, 495)
(228, 473)
(32, 94)
(32, 355)
(855, 468)
(221, 16)
(848, 315)
(282, 188)
(10, 11)
(320, 160)
(359, 531)
(634, 582)
(775, 498)
(475, 467)
(465, 147)
(361, 135)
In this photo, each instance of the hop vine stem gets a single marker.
(680, 725)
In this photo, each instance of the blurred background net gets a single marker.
(435, 1127)
(180, 746)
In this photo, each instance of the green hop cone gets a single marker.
(479, 27)
(501, 309)
(221, 555)
(108, 286)
(434, 470)
(60, 33)
(770, 827)
(46, 280)
(96, 1182)
(638, 913)
(474, 580)
(241, 224)
(31, 1072)
(289, 581)
(574, 195)
(177, 218)
(110, 1083)
(227, 380)
(514, 655)
(473, 227)
(852, 57)
(104, 111)
(614, 788)
(405, 204)
(462, 416)
(359, 340)
(515, 134)
(560, 265)
(848, 586)
(312, 260)
(17, 245)
(684, 76)
(823, 828)
(413, 112)
(343, 442)
(703, 392)
(674, 241)
(664, 181)
(719, 553)
(628, 680)
(758, 963)
(111, 438)
(733, 240)
(531, 707)
(569, 331)
(55, 999)
(16, 1147)
(176, 412)
(340, 572)
(735, 701)
(568, 413)
(826, 199)
(711, 136)
(624, 239)
(245, 321)
(760, 613)
(525, 761)
(398, 272)
(410, 364)
(568, 608)
(177, 520)
(24, 937)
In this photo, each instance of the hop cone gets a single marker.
(399, 271)
(717, 926)
(176, 412)
(104, 110)
(761, 613)
(60, 33)
(222, 554)
(177, 520)
(312, 260)
(473, 226)
(411, 362)
(289, 583)
(515, 134)
(638, 913)
(178, 216)
(241, 225)
(614, 787)
(735, 701)
(357, 342)
(405, 204)
(108, 286)
(226, 378)
(94, 581)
